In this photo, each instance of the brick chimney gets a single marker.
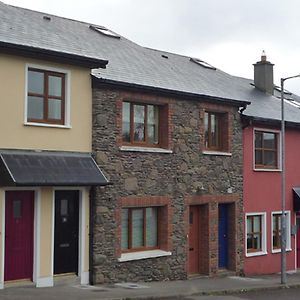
(263, 75)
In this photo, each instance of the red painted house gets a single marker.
(262, 174)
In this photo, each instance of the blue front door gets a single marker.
(223, 235)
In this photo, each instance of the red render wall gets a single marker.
(262, 193)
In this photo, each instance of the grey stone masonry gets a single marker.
(183, 175)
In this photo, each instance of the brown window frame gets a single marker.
(220, 137)
(130, 248)
(276, 231)
(144, 143)
(264, 150)
(46, 97)
(253, 233)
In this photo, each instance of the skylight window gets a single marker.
(202, 63)
(105, 31)
(293, 103)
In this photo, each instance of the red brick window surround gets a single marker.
(144, 223)
(143, 121)
(45, 97)
(266, 149)
(216, 127)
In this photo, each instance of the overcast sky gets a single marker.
(229, 34)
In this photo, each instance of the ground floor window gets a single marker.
(139, 228)
(276, 231)
(255, 229)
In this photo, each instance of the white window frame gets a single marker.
(279, 141)
(288, 230)
(67, 117)
(263, 250)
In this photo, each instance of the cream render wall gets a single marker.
(45, 233)
(14, 134)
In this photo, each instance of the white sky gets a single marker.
(229, 34)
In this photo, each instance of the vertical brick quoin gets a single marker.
(210, 221)
(178, 175)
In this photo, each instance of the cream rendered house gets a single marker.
(46, 167)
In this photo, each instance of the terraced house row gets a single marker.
(124, 163)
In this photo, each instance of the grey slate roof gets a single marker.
(132, 64)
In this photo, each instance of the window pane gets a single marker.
(124, 242)
(258, 139)
(55, 86)
(249, 225)
(35, 82)
(139, 121)
(214, 130)
(17, 209)
(64, 207)
(257, 241)
(256, 224)
(258, 157)
(137, 228)
(206, 129)
(151, 226)
(126, 122)
(54, 109)
(249, 241)
(269, 140)
(152, 124)
(269, 158)
(35, 108)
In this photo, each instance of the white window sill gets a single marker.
(267, 170)
(250, 254)
(144, 149)
(143, 255)
(279, 250)
(47, 125)
(207, 152)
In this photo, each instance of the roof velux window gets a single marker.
(202, 63)
(104, 31)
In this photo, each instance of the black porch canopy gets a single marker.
(296, 193)
(32, 168)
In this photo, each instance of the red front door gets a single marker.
(298, 242)
(19, 235)
(194, 240)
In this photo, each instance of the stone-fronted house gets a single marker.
(46, 167)
(167, 133)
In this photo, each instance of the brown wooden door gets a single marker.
(194, 240)
(66, 232)
(19, 213)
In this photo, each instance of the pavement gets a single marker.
(69, 288)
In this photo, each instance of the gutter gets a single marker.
(51, 55)
(101, 82)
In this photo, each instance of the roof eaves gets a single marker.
(132, 86)
(57, 56)
(271, 122)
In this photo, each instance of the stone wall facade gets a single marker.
(181, 176)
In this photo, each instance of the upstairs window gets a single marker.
(216, 131)
(45, 97)
(266, 150)
(140, 124)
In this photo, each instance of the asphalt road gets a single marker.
(282, 294)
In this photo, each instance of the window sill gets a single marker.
(266, 170)
(260, 253)
(144, 149)
(208, 152)
(47, 125)
(143, 255)
(274, 251)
